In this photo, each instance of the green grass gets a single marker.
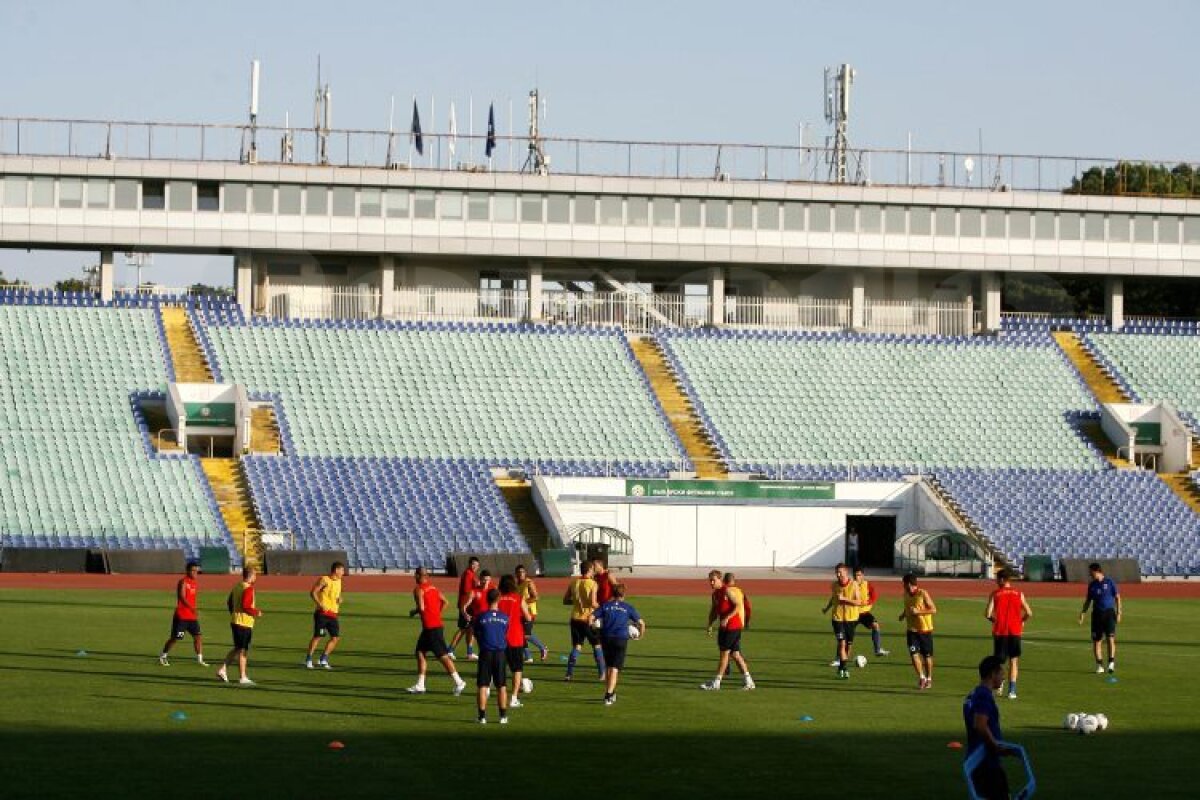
(100, 725)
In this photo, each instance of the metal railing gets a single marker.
(322, 302)
(788, 313)
(111, 139)
(429, 303)
(938, 318)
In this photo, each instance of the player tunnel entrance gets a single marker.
(876, 540)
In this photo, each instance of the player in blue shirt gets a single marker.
(982, 718)
(1105, 600)
(614, 619)
(491, 634)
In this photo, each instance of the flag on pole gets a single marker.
(453, 145)
(415, 131)
(491, 131)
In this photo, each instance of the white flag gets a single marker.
(453, 135)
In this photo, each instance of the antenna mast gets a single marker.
(536, 161)
(838, 81)
(252, 156)
(322, 117)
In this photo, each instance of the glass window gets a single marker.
(97, 193)
(289, 199)
(504, 208)
(451, 205)
(479, 207)
(235, 197)
(1043, 222)
(818, 218)
(1093, 227)
(180, 195)
(370, 202)
(970, 222)
(1191, 230)
(532, 208)
(126, 195)
(585, 210)
(262, 198)
(208, 196)
(343, 201)
(870, 219)
(716, 214)
(15, 191)
(1143, 229)
(1020, 224)
(639, 210)
(944, 222)
(70, 193)
(424, 205)
(1068, 226)
(996, 224)
(920, 221)
(154, 195)
(1118, 227)
(844, 218)
(611, 210)
(43, 192)
(895, 221)
(793, 217)
(1168, 230)
(689, 213)
(768, 215)
(664, 212)
(316, 201)
(742, 216)
(398, 203)
(558, 209)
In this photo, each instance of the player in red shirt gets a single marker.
(730, 608)
(1007, 610)
(512, 606)
(466, 586)
(475, 604)
(604, 583)
(186, 619)
(429, 603)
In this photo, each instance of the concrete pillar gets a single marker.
(989, 287)
(387, 286)
(858, 300)
(1114, 302)
(716, 295)
(243, 282)
(106, 275)
(535, 290)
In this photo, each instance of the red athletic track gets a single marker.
(551, 586)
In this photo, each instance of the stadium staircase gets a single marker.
(518, 494)
(1108, 390)
(264, 431)
(960, 515)
(228, 481)
(679, 410)
(186, 355)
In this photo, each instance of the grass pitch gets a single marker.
(104, 724)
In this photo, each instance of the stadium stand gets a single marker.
(76, 466)
(1154, 363)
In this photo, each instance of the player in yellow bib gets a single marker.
(529, 593)
(581, 597)
(326, 594)
(846, 599)
(918, 612)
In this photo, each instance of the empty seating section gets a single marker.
(74, 469)
(1155, 367)
(1081, 514)
(571, 401)
(815, 403)
(385, 512)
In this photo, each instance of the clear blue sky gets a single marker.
(1094, 78)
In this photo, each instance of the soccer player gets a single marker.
(512, 606)
(327, 595)
(1008, 610)
(604, 583)
(614, 618)
(846, 599)
(1105, 601)
(242, 614)
(477, 601)
(186, 619)
(581, 596)
(982, 719)
(491, 632)
(467, 583)
(729, 609)
(429, 604)
(529, 593)
(918, 613)
(865, 617)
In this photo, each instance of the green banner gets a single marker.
(212, 415)
(730, 490)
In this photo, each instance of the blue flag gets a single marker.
(491, 133)
(418, 141)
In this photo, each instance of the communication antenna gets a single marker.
(838, 81)
(536, 162)
(252, 157)
(391, 120)
(286, 146)
(322, 116)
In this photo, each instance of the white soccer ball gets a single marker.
(1103, 721)
(597, 624)
(1071, 722)
(861, 661)
(635, 632)
(1089, 725)
(526, 685)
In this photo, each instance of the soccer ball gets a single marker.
(861, 661)
(635, 632)
(597, 624)
(1103, 721)
(526, 685)
(1089, 725)
(1071, 722)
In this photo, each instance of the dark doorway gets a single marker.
(876, 541)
